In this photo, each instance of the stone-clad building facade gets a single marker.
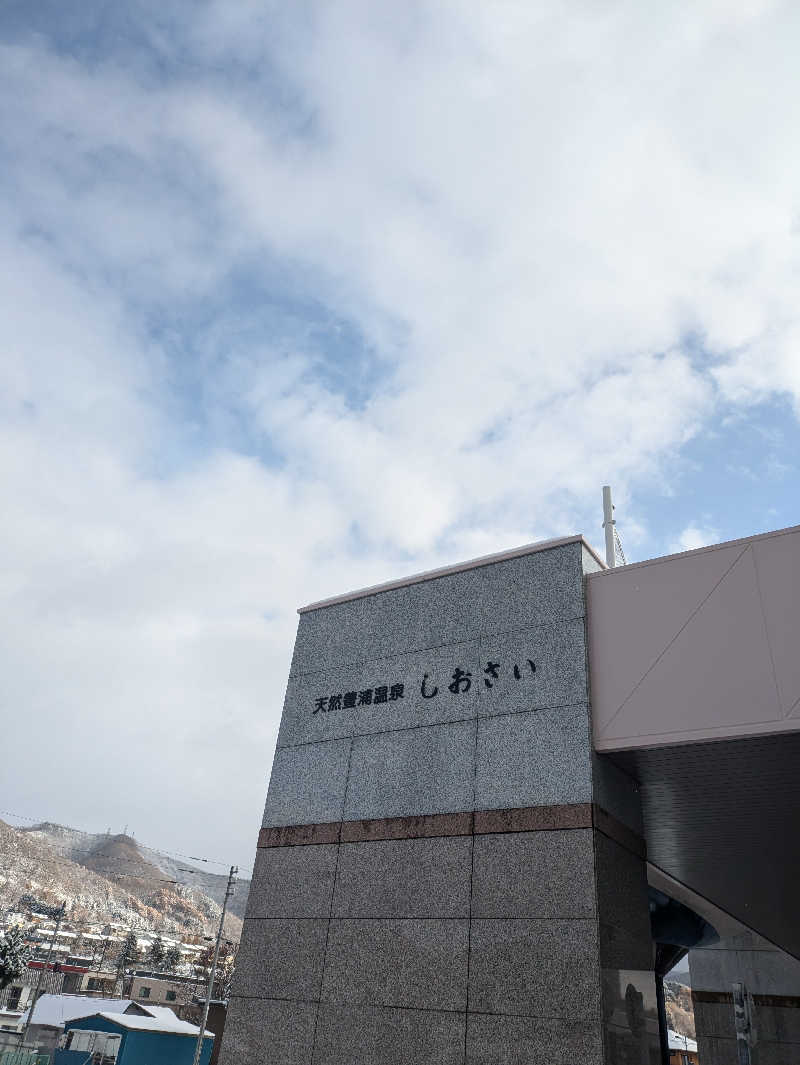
(446, 872)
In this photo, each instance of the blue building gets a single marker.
(127, 1039)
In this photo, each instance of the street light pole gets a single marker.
(228, 892)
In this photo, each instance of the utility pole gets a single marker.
(228, 892)
(59, 918)
(608, 526)
(103, 955)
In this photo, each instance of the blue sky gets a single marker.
(303, 297)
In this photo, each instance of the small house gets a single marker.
(129, 1039)
(682, 1049)
(52, 1013)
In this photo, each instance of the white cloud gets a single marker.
(694, 536)
(519, 214)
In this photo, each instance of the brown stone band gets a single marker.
(477, 823)
(725, 998)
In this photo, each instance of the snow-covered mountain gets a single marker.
(110, 878)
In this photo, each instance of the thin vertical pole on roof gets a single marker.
(608, 526)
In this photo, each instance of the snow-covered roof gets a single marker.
(159, 1012)
(681, 1042)
(149, 1024)
(56, 1010)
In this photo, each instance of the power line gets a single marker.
(169, 854)
(109, 858)
(137, 876)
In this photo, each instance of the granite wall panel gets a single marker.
(292, 882)
(416, 771)
(534, 874)
(532, 590)
(303, 723)
(370, 1035)
(415, 617)
(420, 964)
(622, 899)
(307, 784)
(497, 1040)
(521, 670)
(404, 878)
(537, 758)
(267, 1031)
(281, 958)
(519, 593)
(536, 668)
(535, 968)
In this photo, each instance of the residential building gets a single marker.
(127, 1039)
(167, 989)
(18, 994)
(682, 1049)
(53, 1013)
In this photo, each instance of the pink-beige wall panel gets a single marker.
(777, 562)
(697, 646)
(635, 612)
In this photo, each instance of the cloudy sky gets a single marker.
(301, 297)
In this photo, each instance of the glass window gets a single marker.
(144, 992)
(171, 996)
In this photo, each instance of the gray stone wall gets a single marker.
(771, 980)
(436, 881)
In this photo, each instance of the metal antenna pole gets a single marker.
(42, 971)
(209, 992)
(608, 526)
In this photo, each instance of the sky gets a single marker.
(297, 298)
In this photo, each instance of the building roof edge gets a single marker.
(458, 567)
(741, 541)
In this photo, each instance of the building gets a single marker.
(18, 994)
(510, 794)
(101, 982)
(125, 1039)
(682, 1049)
(53, 1013)
(167, 989)
(217, 1014)
(11, 1022)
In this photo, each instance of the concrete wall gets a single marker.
(448, 875)
(771, 981)
(182, 990)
